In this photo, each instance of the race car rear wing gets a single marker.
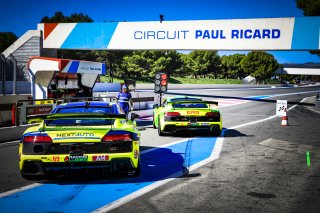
(200, 101)
(39, 118)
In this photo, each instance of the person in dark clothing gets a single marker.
(124, 99)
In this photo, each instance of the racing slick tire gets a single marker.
(34, 177)
(215, 131)
(160, 133)
(154, 123)
(137, 171)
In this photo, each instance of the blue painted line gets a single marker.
(156, 165)
(259, 97)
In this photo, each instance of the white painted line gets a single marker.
(5, 194)
(214, 155)
(244, 114)
(11, 142)
(136, 194)
(165, 145)
(295, 93)
(265, 119)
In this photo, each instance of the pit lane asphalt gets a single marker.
(262, 168)
(246, 175)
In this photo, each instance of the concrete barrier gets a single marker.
(12, 133)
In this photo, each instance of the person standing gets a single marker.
(124, 99)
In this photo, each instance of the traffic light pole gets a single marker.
(160, 99)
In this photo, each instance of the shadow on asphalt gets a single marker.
(230, 133)
(157, 164)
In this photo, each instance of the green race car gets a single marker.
(88, 136)
(187, 113)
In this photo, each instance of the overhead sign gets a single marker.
(282, 108)
(301, 33)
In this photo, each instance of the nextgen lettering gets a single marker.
(63, 135)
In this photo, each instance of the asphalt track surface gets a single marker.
(254, 167)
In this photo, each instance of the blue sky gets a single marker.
(18, 16)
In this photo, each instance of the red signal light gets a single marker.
(160, 83)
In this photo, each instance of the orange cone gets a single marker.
(284, 121)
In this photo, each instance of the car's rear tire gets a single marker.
(154, 122)
(33, 177)
(137, 171)
(160, 133)
(217, 133)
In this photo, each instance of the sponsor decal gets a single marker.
(45, 158)
(76, 158)
(205, 124)
(55, 158)
(136, 154)
(73, 134)
(38, 110)
(100, 158)
(193, 112)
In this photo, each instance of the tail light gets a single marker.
(172, 114)
(212, 114)
(40, 138)
(122, 137)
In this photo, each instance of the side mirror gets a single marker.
(134, 116)
(155, 106)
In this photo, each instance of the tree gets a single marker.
(202, 62)
(147, 63)
(6, 39)
(259, 64)
(310, 8)
(73, 18)
(231, 66)
(60, 18)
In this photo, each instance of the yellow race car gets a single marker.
(187, 113)
(81, 136)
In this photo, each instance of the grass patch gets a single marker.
(177, 80)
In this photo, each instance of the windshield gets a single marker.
(184, 99)
(87, 110)
(190, 105)
(79, 122)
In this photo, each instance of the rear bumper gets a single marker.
(57, 164)
(178, 126)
